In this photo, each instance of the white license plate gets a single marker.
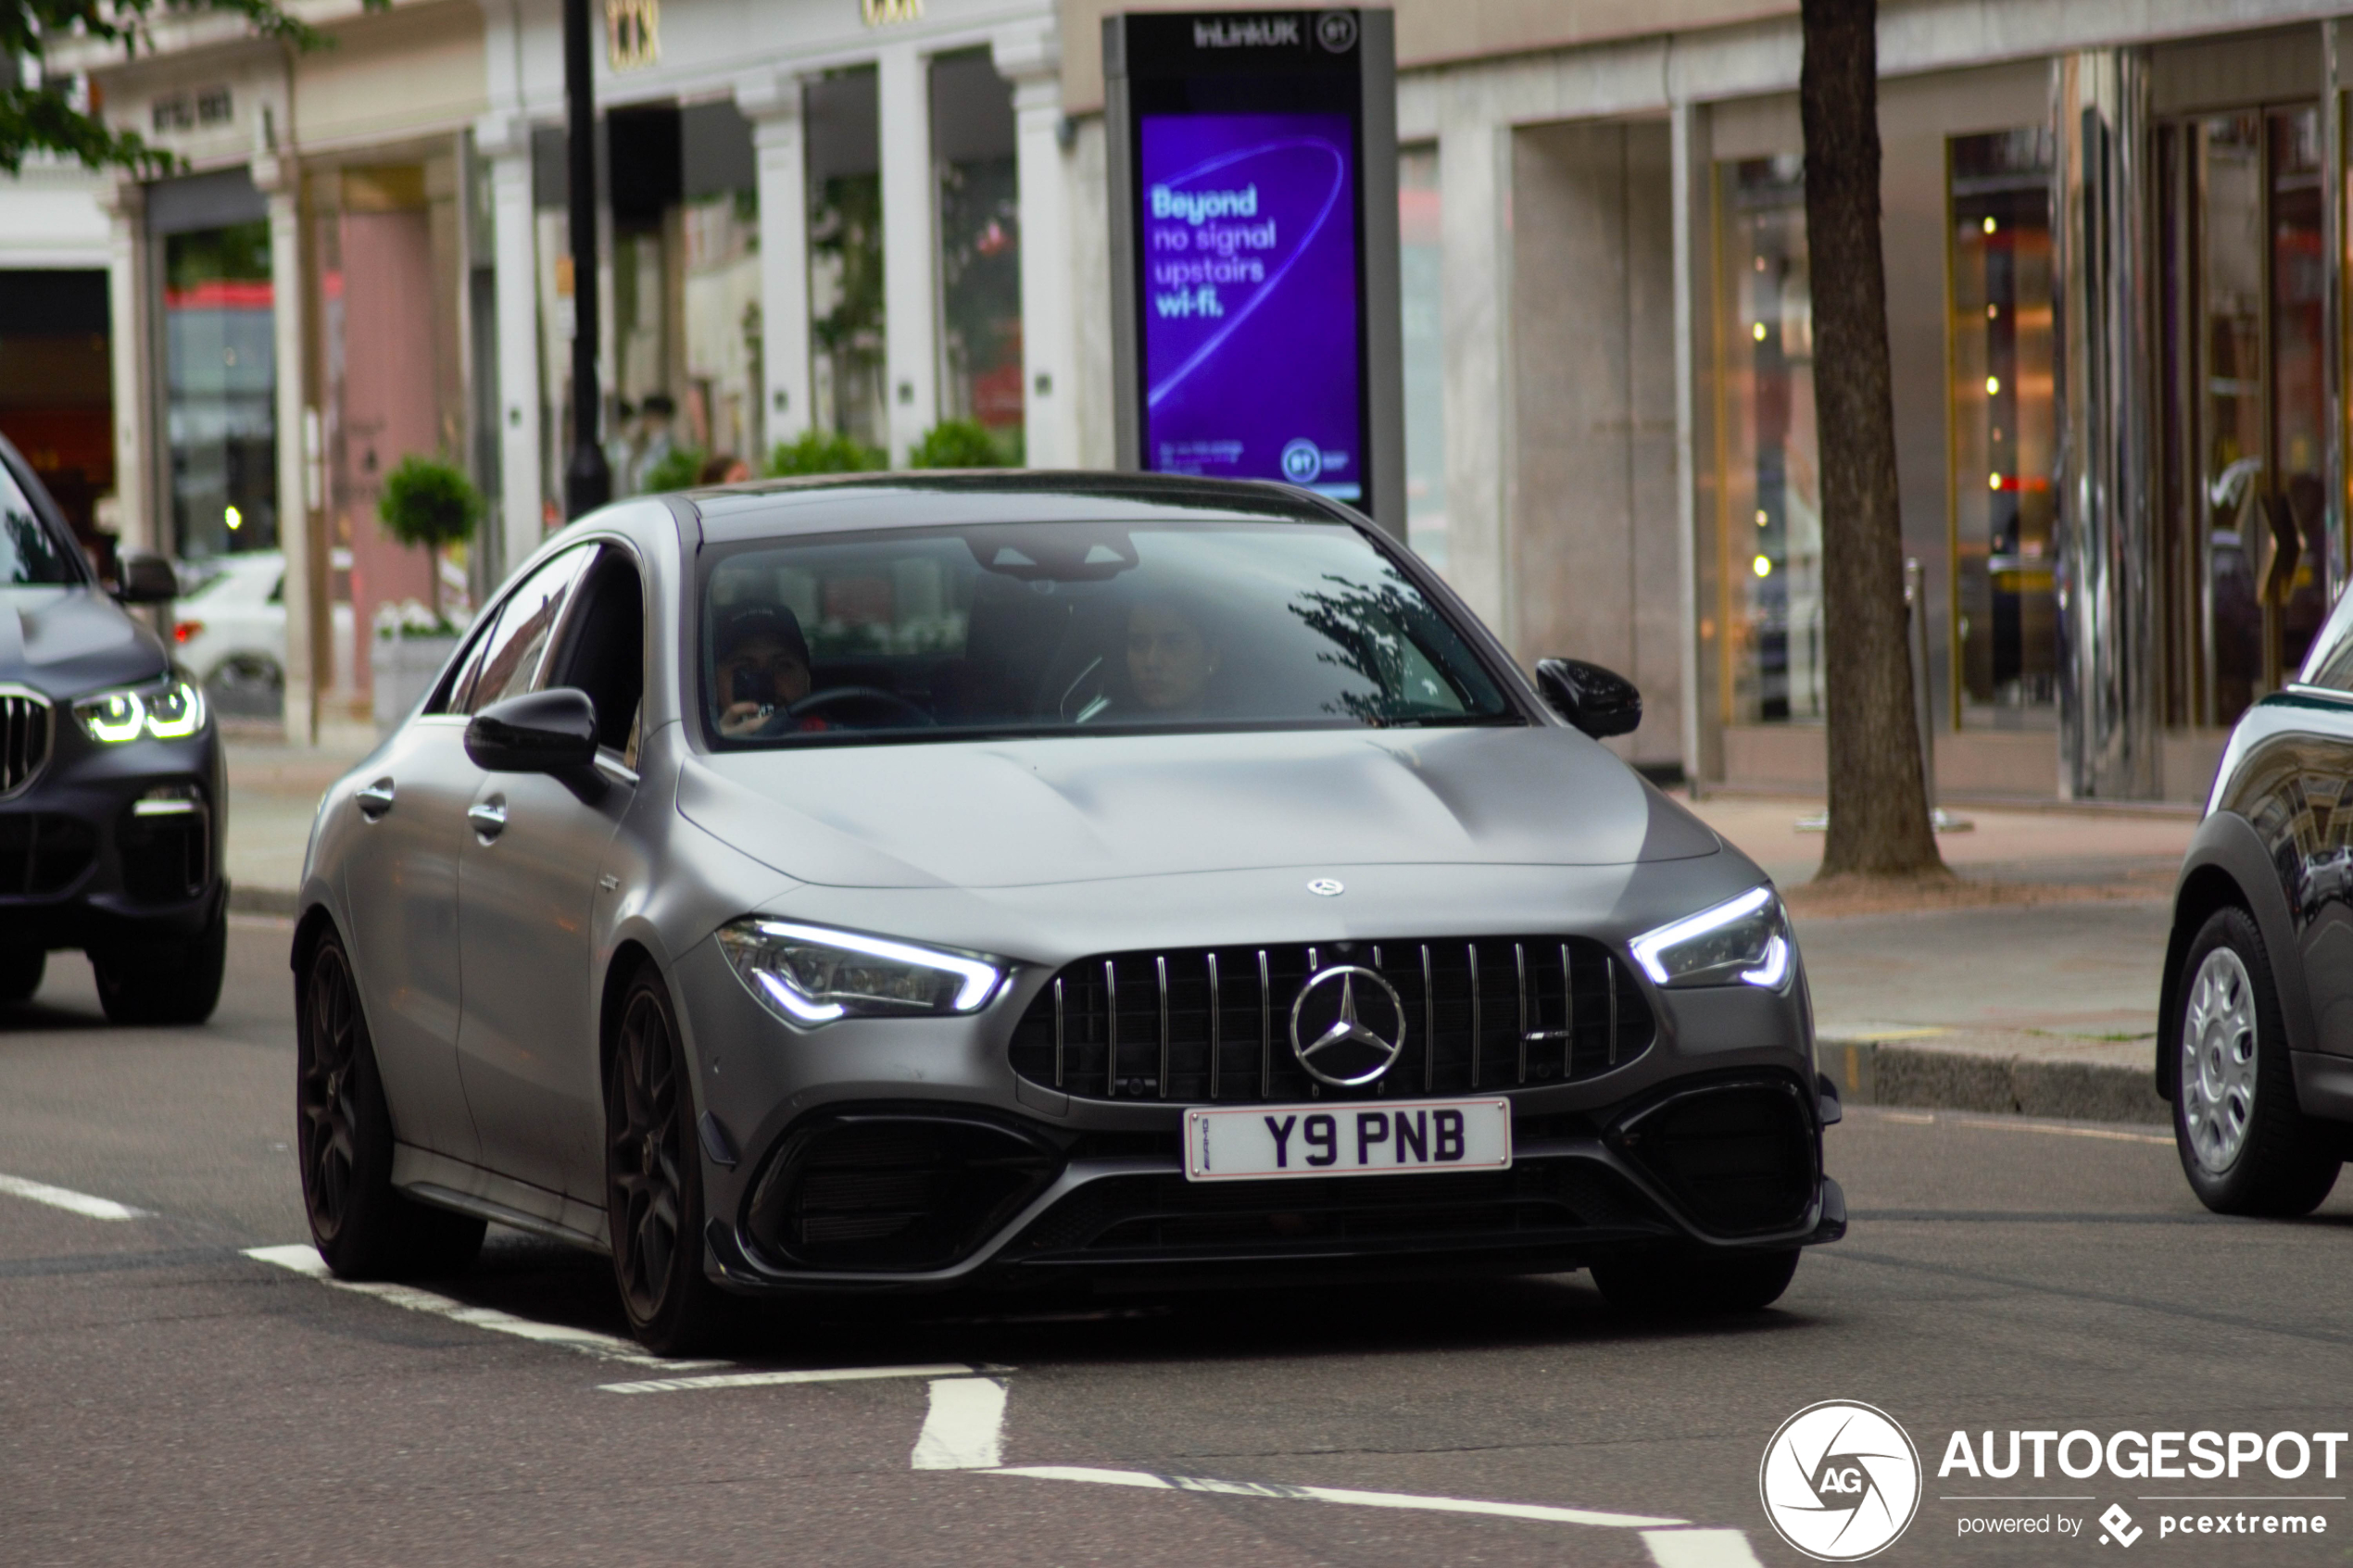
(1353, 1139)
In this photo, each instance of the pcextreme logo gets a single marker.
(1840, 1481)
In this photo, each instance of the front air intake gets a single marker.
(897, 1191)
(1737, 1155)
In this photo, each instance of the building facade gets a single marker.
(2115, 236)
(839, 216)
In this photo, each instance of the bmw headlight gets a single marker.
(1744, 940)
(173, 710)
(811, 975)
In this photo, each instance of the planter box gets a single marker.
(401, 670)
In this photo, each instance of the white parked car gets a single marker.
(230, 630)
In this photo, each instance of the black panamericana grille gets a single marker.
(24, 739)
(1211, 1026)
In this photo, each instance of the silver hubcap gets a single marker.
(2217, 1060)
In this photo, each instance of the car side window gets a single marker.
(506, 660)
(604, 650)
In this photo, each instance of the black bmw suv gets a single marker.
(111, 783)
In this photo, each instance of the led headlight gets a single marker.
(813, 975)
(1744, 940)
(173, 710)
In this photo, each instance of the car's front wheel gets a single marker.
(362, 1227)
(2244, 1142)
(169, 980)
(653, 1178)
(21, 968)
(1695, 1284)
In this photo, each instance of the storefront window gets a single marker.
(1419, 294)
(220, 381)
(2004, 430)
(1771, 535)
(846, 324)
(971, 133)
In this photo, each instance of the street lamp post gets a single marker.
(588, 480)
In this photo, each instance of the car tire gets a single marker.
(1695, 1284)
(653, 1178)
(247, 685)
(2244, 1142)
(175, 980)
(362, 1227)
(20, 972)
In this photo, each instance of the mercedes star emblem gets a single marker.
(1327, 888)
(1347, 1052)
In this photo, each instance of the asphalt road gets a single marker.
(166, 1398)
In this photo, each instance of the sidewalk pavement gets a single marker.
(2031, 987)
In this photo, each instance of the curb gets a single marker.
(1874, 1074)
(245, 899)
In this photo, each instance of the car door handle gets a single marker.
(375, 799)
(490, 817)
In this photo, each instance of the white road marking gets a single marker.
(771, 1379)
(1700, 1548)
(303, 1258)
(1543, 1511)
(80, 1203)
(965, 1428)
(2013, 1125)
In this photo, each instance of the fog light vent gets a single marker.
(1737, 1157)
(892, 1192)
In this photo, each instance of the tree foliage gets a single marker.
(45, 119)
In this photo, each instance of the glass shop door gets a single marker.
(2243, 280)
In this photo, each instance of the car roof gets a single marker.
(851, 503)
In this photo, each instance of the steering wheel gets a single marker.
(786, 718)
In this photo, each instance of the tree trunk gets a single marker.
(1878, 803)
(433, 581)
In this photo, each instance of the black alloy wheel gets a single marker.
(21, 967)
(1695, 1284)
(362, 1225)
(653, 1178)
(171, 980)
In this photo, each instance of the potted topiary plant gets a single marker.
(827, 453)
(430, 505)
(956, 444)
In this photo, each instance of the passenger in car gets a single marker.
(762, 665)
(1172, 655)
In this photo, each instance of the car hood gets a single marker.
(64, 641)
(1026, 812)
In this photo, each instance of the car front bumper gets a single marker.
(909, 1154)
(114, 843)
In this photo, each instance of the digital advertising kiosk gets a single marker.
(1253, 207)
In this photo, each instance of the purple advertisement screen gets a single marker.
(1249, 288)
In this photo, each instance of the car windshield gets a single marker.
(29, 554)
(1085, 628)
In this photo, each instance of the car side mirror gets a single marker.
(1599, 702)
(146, 580)
(549, 732)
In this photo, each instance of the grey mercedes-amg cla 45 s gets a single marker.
(997, 882)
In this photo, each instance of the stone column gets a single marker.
(1688, 165)
(310, 658)
(1474, 170)
(1030, 58)
(504, 140)
(911, 246)
(771, 100)
(130, 346)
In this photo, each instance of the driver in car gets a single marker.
(763, 666)
(1172, 657)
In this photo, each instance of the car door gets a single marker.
(400, 888)
(401, 877)
(527, 891)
